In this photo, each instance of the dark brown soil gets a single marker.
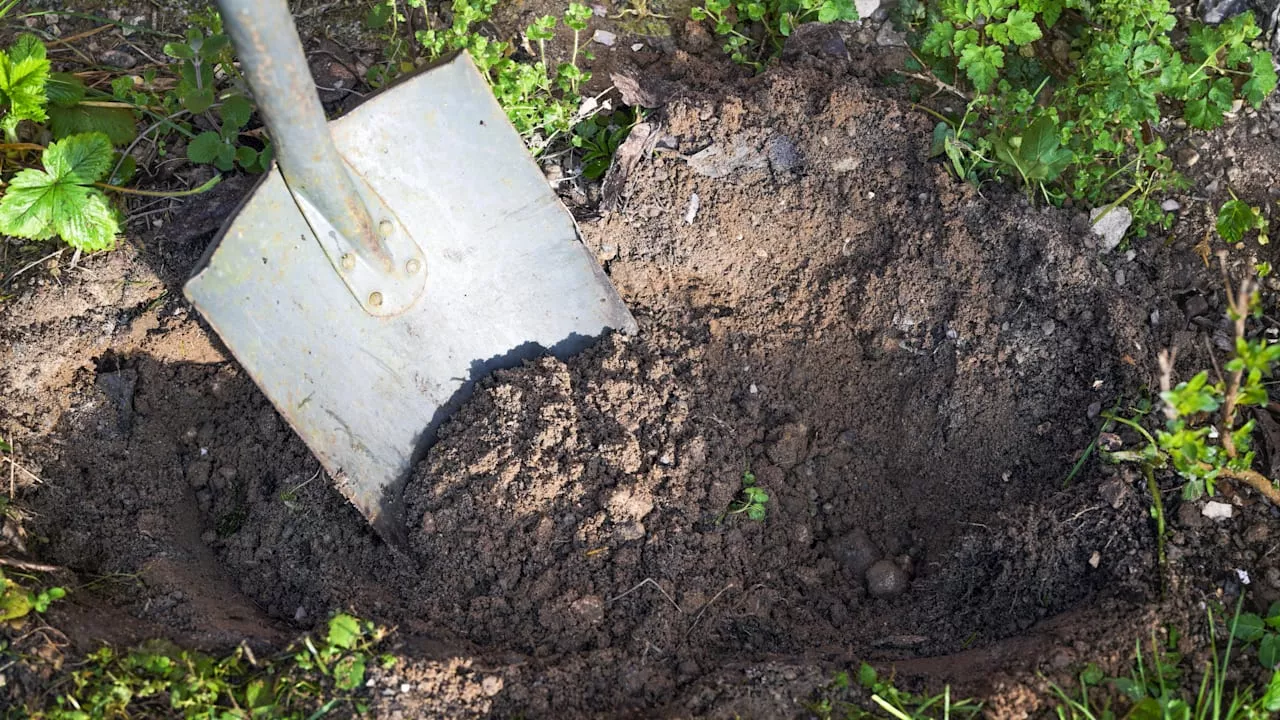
(907, 367)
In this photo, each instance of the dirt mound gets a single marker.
(906, 367)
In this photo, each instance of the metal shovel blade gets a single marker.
(507, 278)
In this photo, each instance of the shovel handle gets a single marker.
(272, 59)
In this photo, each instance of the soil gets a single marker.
(908, 367)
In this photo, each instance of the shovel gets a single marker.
(393, 258)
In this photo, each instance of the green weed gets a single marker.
(1236, 218)
(751, 499)
(315, 677)
(1202, 438)
(876, 697)
(598, 139)
(1065, 95)
(754, 31)
(1159, 688)
(17, 600)
(541, 97)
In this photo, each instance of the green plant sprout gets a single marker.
(837, 700)
(1236, 218)
(315, 678)
(1203, 439)
(751, 499)
(599, 137)
(1249, 628)
(1065, 95)
(17, 601)
(1159, 688)
(754, 30)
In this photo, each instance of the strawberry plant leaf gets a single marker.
(24, 72)
(1235, 218)
(1262, 78)
(1247, 627)
(64, 90)
(1269, 651)
(59, 200)
(344, 631)
(118, 124)
(982, 64)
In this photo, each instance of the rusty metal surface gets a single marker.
(509, 279)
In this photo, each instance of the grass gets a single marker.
(876, 697)
(1160, 686)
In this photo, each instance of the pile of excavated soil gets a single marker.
(907, 368)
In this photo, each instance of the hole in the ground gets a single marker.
(904, 368)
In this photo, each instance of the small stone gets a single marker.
(117, 58)
(491, 685)
(1170, 205)
(1114, 490)
(1120, 277)
(604, 37)
(1196, 306)
(1189, 515)
(1095, 560)
(589, 609)
(405, 688)
(1215, 510)
(1188, 157)
(631, 531)
(691, 212)
(857, 553)
(782, 153)
(890, 37)
(1094, 409)
(866, 7)
(788, 444)
(1256, 534)
(886, 580)
(1110, 228)
(1047, 327)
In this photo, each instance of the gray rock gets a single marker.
(1188, 157)
(1189, 515)
(866, 7)
(604, 37)
(1114, 490)
(886, 580)
(1215, 510)
(1170, 205)
(889, 37)
(716, 162)
(1110, 228)
(1196, 306)
(782, 153)
(117, 58)
(857, 553)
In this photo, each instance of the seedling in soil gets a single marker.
(754, 31)
(1236, 218)
(751, 500)
(599, 137)
(874, 697)
(17, 601)
(1203, 439)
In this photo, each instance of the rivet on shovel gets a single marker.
(348, 261)
(386, 228)
(375, 299)
(413, 266)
